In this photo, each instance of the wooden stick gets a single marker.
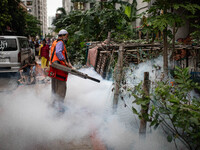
(144, 112)
(118, 76)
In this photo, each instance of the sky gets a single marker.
(52, 6)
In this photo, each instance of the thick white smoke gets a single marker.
(28, 121)
(27, 118)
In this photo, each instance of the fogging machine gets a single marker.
(60, 68)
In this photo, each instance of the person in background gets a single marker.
(27, 74)
(39, 54)
(37, 48)
(48, 41)
(44, 54)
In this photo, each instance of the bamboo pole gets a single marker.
(99, 63)
(144, 112)
(103, 65)
(118, 76)
(111, 55)
(138, 55)
(109, 65)
(132, 50)
(108, 38)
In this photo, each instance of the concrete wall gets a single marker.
(67, 4)
(141, 7)
(87, 6)
(183, 31)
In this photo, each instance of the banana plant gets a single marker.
(94, 25)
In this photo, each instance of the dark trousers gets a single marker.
(59, 89)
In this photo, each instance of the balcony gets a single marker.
(29, 3)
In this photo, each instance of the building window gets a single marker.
(79, 6)
(91, 5)
(29, 3)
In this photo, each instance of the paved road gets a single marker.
(8, 82)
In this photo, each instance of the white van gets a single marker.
(15, 52)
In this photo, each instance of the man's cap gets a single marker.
(62, 32)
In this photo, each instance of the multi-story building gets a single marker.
(67, 4)
(80, 5)
(50, 26)
(50, 21)
(38, 8)
(141, 7)
(76, 5)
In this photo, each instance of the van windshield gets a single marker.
(23, 43)
(8, 44)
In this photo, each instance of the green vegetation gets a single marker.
(17, 19)
(32, 26)
(94, 25)
(171, 13)
(173, 108)
(4, 17)
(165, 15)
(12, 16)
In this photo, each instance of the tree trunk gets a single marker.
(144, 110)
(165, 52)
(118, 76)
(174, 34)
(108, 40)
(147, 37)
